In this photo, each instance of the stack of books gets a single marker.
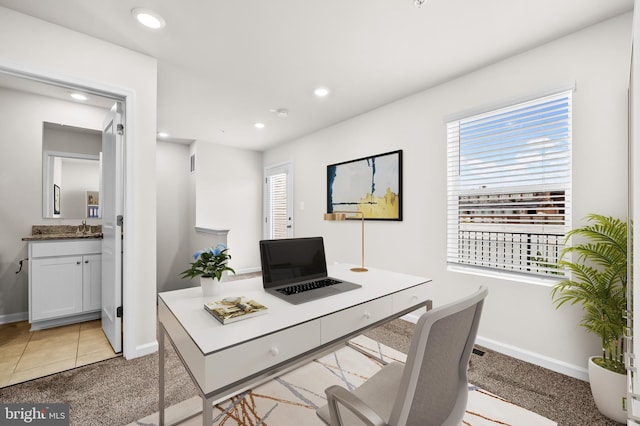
(232, 309)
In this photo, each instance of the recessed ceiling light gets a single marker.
(148, 18)
(258, 125)
(78, 96)
(163, 134)
(321, 92)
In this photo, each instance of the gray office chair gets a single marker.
(430, 389)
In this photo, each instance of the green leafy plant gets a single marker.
(597, 279)
(210, 262)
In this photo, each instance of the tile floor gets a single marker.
(26, 355)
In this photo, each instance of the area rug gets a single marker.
(293, 398)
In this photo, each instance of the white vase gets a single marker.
(609, 390)
(210, 287)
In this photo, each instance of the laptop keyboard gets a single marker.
(301, 288)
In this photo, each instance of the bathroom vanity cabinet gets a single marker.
(64, 281)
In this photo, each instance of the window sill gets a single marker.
(508, 276)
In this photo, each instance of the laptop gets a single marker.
(295, 270)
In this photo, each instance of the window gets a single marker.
(509, 186)
(278, 201)
(278, 205)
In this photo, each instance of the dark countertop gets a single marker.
(63, 232)
(48, 237)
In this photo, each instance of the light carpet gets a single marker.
(293, 398)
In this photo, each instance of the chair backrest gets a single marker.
(434, 386)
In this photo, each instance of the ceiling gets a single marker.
(224, 65)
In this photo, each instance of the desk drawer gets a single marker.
(410, 297)
(341, 323)
(230, 365)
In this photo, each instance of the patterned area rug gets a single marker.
(293, 398)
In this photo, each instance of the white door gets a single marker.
(111, 209)
(278, 206)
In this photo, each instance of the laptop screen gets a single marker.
(292, 260)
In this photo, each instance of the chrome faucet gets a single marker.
(84, 229)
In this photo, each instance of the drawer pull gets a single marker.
(78, 262)
(367, 315)
(274, 351)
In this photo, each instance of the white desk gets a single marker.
(224, 360)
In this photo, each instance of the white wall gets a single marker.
(224, 193)
(21, 117)
(61, 137)
(78, 178)
(173, 214)
(31, 45)
(219, 172)
(634, 210)
(519, 318)
(228, 195)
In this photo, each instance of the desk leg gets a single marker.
(207, 411)
(161, 376)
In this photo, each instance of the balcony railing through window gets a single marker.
(524, 252)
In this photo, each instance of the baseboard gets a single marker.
(17, 317)
(57, 322)
(535, 358)
(552, 364)
(142, 350)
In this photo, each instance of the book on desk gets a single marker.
(232, 309)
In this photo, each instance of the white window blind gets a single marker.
(509, 186)
(278, 205)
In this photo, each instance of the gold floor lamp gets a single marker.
(342, 215)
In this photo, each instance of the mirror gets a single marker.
(71, 172)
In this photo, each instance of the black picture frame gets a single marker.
(372, 185)
(56, 199)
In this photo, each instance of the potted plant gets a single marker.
(597, 279)
(209, 264)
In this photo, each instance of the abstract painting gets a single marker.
(371, 185)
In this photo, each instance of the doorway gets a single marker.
(40, 87)
(278, 204)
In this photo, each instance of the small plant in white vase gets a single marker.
(209, 264)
